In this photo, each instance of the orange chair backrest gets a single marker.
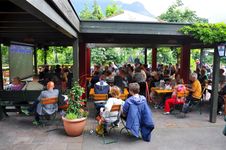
(100, 97)
(51, 100)
(116, 108)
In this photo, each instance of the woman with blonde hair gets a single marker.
(114, 100)
(108, 116)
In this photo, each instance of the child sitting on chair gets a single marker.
(108, 116)
(178, 97)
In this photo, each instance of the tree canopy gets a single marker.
(95, 14)
(208, 33)
(177, 13)
(113, 9)
(86, 13)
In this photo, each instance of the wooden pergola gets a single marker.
(55, 23)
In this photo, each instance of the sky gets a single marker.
(213, 10)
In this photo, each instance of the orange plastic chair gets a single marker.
(97, 98)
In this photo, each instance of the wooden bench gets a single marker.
(14, 98)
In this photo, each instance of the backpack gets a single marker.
(101, 88)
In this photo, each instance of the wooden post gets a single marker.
(88, 60)
(215, 83)
(35, 60)
(154, 59)
(82, 60)
(45, 55)
(145, 55)
(185, 63)
(201, 56)
(75, 69)
(1, 75)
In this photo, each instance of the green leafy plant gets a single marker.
(76, 104)
(206, 32)
(71, 116)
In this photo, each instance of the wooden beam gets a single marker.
(14, 13)
(185, 62)
(154, 59)
(201, 57)
(140, 28)
(45, 55)
(1, 75)
(57, 41)
(50, 35)
(7, 6)
(17, 17)
(21, 23)
(42, 10)
(214, 93)
(67, 10)
(35, 61)
(75, 69)
(88, 61)
(82, 59)
(145, 55)
(26, 30)
(135, 45)
(24, 24)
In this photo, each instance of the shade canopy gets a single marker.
(23, 21)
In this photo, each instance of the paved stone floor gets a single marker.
(194, 132)
(17, 132)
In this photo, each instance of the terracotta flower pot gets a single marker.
(74, 127)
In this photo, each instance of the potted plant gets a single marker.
(75, 117)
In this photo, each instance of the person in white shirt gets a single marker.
(34, 85)
(106, 114)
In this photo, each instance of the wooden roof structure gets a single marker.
(54, 22)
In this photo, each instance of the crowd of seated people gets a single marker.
(60, 77)
(129, 73)
(205, 81)
(122, 76)
(16, 85)
(168, 75)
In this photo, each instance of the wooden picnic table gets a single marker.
(166, 91)
(163, 91)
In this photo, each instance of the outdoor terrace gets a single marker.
(171, 133)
